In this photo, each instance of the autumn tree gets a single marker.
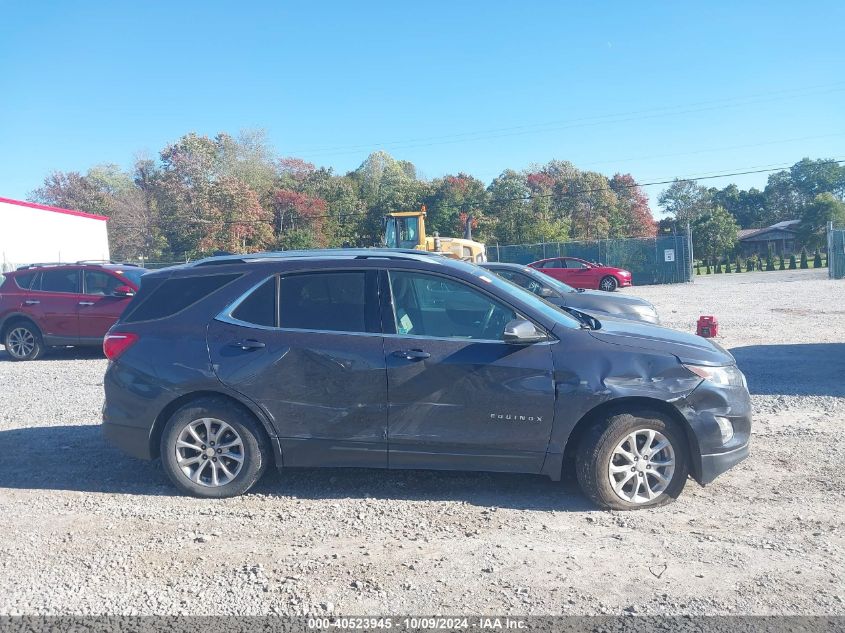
(451, 200)
(685, 200)
(507, 201)
(633, 217)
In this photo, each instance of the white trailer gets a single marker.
(31, 233)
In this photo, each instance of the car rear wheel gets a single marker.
(608, 283)
(633, 460)
(23, 341)
(213, 448)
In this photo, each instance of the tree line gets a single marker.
(201, 195)
(811, 191)
(232, 193)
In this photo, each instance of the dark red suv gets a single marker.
(46, 305)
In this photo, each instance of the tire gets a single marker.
(23, 341)
(243, 449)
(608, 283)
(604, 447)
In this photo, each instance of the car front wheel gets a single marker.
(608, 284)
(23, 341)
(633, 460)
(213, 448)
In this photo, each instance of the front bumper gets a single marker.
(715, 464)
(711, 456)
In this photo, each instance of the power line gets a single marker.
(563, 124)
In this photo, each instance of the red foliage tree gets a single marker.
(634, 212)
(293, 209)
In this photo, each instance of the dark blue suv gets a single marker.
(397, 359)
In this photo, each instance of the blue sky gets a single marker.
(655, 89)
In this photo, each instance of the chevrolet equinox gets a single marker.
(384, 358)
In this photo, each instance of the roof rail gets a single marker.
(105, 261)
(43, 264)
(350, 253)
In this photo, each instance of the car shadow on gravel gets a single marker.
(61, 353)
(77, 458)
(805, 369)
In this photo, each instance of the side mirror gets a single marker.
(522, 332)
(123, 291)
(545, 291)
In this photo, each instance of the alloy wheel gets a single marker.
(209, 452)
(608, 284)
(21, 342)
(641, 466)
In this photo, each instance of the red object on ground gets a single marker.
(708, 326)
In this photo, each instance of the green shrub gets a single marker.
(727, 265)
(782, 265)
(817, 260)
(738, 264)
(760, 264)
(770, 263)
(804, 263)
(792, 263)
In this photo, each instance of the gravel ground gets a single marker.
(86, 530)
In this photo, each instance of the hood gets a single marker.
(688, 348)
(599, 298)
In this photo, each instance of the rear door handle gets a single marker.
(86, 303)
(249, 343)
(412, 354)
(31, 302)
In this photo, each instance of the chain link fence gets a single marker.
(835, 252)
(666, 259)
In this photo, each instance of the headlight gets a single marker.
(724, 376)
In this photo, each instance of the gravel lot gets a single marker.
(86, 530)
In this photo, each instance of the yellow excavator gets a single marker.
(406, 229)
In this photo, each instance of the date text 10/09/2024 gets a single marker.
(417, 623)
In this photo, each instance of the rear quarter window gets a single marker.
(24, 280)
(174, 295)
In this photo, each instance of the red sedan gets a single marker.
(583, 274)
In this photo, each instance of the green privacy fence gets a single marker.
(836, 252)
(661, 260)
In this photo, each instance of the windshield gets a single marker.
(541, 305)
(402, 232)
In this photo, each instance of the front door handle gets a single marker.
(86, 303)
(31, 302)
(249, 343)
(411, 354)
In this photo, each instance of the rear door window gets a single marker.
(554, 263)
(333, 301)
(66, 281)
(259, 307)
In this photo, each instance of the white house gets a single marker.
(31, 233)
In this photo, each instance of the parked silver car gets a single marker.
(564, 296)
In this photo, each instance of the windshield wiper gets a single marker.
(587, 322)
